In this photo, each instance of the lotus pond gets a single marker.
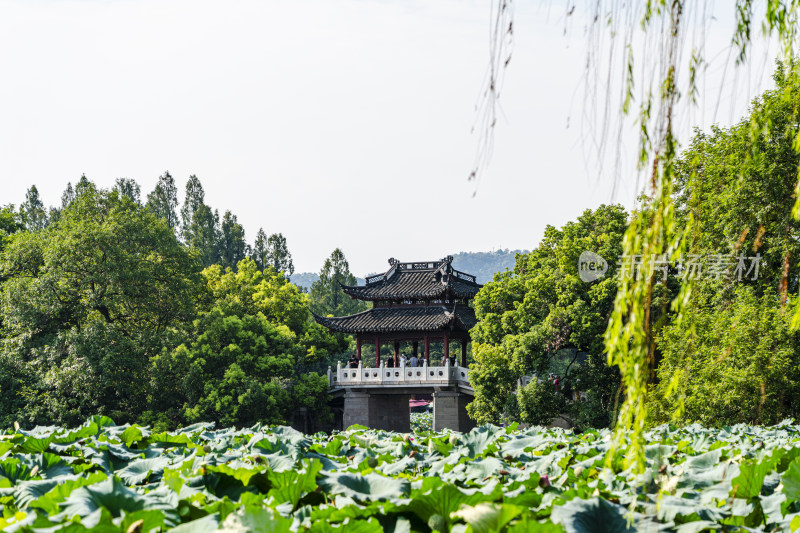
(103, 477)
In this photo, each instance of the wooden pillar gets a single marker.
(377, 353)
(416, 349)
(396, 354)
(358, 347)
(446, 348)
(427, 350)
(464, 352)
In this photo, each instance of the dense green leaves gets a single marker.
(489, 480)
(87, 302)
(539, 317)
(327, 297)
(104, 310)
(249, 346)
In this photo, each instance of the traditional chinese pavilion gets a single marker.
(412, 302)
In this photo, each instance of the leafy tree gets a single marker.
(249, 355)
(164, 200)
(540, 402)
(737, 187)
(84, 185)
(9, 224)
(67, 196)
(232, 246)
(87, 302)
(205, 235)
(529, 315)
(260, 251)
(272, 252)
(738, 364)
(32, 212)
(327, 297)
(193, 201)
(200, 225)
(278, 253)
(735, 190)
(129, 188)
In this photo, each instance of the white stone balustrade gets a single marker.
(404, 376)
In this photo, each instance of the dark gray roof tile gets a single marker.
(402, 319)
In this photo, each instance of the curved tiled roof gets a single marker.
(401, 319)
(427, 280)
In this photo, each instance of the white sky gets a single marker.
(340, 123)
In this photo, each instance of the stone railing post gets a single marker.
(339, 371)
(330, 383)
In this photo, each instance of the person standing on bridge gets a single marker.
(413, 361)
(403, 360)
(390, 362)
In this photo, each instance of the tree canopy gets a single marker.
(529, 316)
(327, 297)
(103, 310)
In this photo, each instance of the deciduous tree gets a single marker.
(32, 212)
(327, 297)
(87, 302)
(232, 246)
(163, 201)
(528, 315)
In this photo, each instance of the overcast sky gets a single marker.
(340, 123)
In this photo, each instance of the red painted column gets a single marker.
(463, 352)
(377, 353)
(358, 347)
(427, 350)
(446, 347)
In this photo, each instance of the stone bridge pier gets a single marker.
(379, 397)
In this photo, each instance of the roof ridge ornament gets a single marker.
(393, 261)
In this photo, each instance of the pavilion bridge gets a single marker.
(418, 303)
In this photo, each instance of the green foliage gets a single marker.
(232, 247)
(32, 212)
(728, 355)
(737, 186)
(111, 478)
(200, 225)
(272, 252)
(326, 295)
(540, 403)
(103, 310)
(87, 302)
(129, 188)
(655, 231)
(738, 363)
(529, 315)
(421, 422)
(10, 224)
(248, 349)
(163, 200)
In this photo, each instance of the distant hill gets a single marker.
(482, 265)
